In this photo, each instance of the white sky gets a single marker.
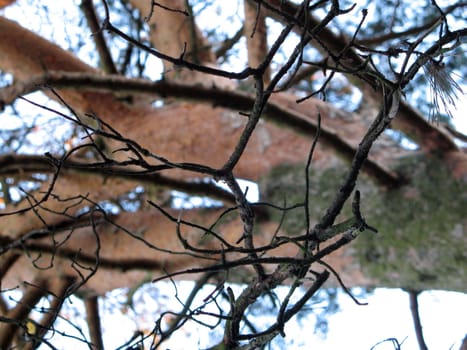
(387, 315)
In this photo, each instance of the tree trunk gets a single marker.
(419, 246)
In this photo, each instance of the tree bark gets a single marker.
(198, 133)
(256, 33)
(18, 315)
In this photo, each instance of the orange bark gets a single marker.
(112, 245)
(180, 132)
(174, 33)
(125, 260)
(256, 36)
(199, 133)
(5, 3)
(25, 54)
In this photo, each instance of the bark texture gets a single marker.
(418, 247)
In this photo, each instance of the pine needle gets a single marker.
(445, 90)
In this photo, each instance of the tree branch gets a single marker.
(25, 165)
(107, 63)
(414, 310)
(93, 320)
(408, 120)
(32, 295)
(59, 291)
(273, 111)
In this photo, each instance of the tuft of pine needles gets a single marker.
(444, 89)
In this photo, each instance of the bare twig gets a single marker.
(414, 309)
(93, 320)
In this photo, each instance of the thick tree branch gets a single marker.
(256, 33)
(32, 294)
(408, 120)
(107, 63)
(380, 39)
(25, 165)
(59, 290)
(289, 115)
(229, 43)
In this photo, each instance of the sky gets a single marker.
(387, 316)
(444, 314)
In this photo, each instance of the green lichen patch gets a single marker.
(421, 241)
(285, 187)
